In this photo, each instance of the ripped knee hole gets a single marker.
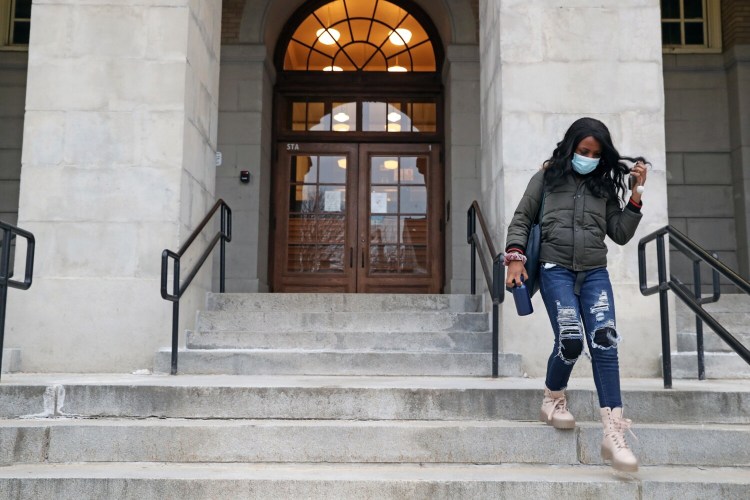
(606, 337)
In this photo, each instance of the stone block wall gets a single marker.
(463, 141)
(540, 73)
(13, 67)
(245, 114)
(119, 134)
(699, 170)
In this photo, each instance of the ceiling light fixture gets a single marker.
(328, 36)
(341, 127)
(397, 69)
(390, 164)
(394, 127)
(400, 36)
(341, 117)
(342, 162)
(394, 116)
(333, 68)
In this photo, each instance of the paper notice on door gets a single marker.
(378, 203)
(332, 201)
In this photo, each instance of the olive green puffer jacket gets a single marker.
(574, 223)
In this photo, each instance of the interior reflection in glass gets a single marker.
(317, 119)
(374, 116)
(413, 200)
(317, 204)
(344, 117)
(384, 170)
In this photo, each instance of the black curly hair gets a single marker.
(608, 179)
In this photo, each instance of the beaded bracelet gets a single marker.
(511, 256)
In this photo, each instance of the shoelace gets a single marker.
(621, 426)
(560, 404)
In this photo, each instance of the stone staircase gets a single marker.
(297, 414)
(340, 334)
(733, 312)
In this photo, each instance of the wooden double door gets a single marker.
(358, 218)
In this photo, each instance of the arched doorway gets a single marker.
(358, 167)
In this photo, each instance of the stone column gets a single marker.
(462, 143)
(118, 164)
(738, 85)
(545, 64)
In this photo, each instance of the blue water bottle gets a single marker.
(522, 299)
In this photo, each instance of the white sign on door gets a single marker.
(378, 203)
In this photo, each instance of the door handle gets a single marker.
(351, 256)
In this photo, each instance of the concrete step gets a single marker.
(292, 321)
(357, 398)
(357, 341)
(711, 341)
(150, 481)
(66, 440)
(11, 360)
(342, 302)
(719, 365)
(329, 362)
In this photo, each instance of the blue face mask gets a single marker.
(584, 165)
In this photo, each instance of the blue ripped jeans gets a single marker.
(591, 314)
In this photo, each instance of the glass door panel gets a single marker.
(316, 218)
(358, 217)
(398, 214)
(400, 221)
(317, 209)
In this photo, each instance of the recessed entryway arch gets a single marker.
(358, 171)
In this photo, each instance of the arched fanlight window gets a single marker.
(360, 35)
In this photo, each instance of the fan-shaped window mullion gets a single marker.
(311, 49)
(348, 20)
(344, 48)
(372, 19)
(371, 22)
(380, 47)
(336, 41)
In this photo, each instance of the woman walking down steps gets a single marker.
(582, 186)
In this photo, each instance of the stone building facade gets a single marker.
(111, 119)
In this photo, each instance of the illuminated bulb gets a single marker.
(342, 162)
(400, 36)
(394, 127)
(397, 69)
(341, 117)
(333, 68)
(327, 36)
(341, 127)
(390, 164)
(394, 117)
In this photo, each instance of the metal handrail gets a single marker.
(9, 233)
(697, 254)
(224, 235)
(495, 282)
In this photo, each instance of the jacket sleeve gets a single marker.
(523, 218)
(621, 222)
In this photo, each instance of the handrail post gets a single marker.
(471, 229)
(664, 310)
(4, 275)
(698, 321)
(175, 316)
(497, 292)
(223, 249)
